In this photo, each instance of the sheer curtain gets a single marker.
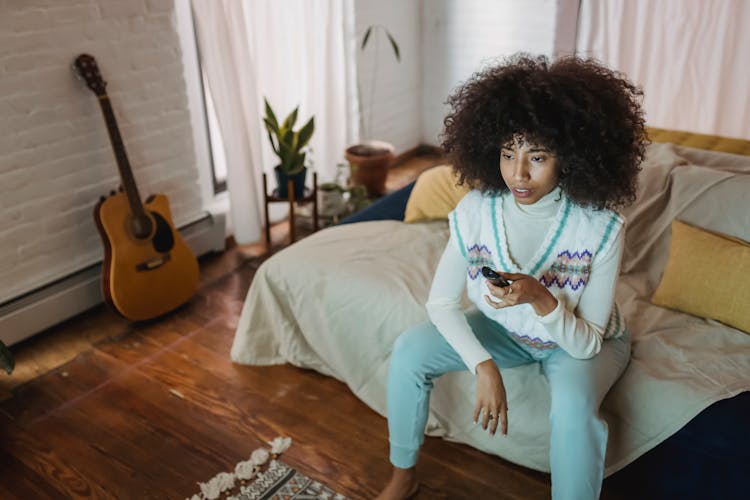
(690, 57)
(294, 53)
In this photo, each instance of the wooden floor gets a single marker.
(148, 410)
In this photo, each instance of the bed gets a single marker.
(335, 302)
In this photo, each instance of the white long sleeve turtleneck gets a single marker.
(578, 332)
(527, 225)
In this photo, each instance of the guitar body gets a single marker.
(145, 277)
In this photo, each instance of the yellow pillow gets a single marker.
(707, 275)
(434, 195)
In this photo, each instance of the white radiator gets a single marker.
(51, 304)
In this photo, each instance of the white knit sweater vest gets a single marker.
(562, 263)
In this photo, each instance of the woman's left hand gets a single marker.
(524, 289)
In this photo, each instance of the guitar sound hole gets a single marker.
(141, 226)
(163, 238)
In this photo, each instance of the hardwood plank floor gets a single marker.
(147, 410)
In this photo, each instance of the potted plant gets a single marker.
(289, 145)
(331, 201)
(7, 362)
(370, 159)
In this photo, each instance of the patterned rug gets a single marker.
(259, 478)
(283, 482)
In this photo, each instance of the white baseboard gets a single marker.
(49, 305)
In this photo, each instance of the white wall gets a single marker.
(55, 157)
(459, 37)
(396, 108)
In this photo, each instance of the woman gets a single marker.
(551, 150)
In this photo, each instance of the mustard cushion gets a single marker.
(434, 195)
(707, 275)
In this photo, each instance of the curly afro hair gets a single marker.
(588, 116)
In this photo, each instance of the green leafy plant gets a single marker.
(358, 198)
(332, 186)
(287, 143)
(376, 29)
(7, 362)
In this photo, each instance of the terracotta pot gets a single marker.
(370, 162)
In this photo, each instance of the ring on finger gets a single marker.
(510, 290)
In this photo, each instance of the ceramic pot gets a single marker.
(282, 180)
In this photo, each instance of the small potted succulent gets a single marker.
(372, 158)
(290, 146)
(331, 202)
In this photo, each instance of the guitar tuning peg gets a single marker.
(120, 188)
(112, 193)
(102, 198)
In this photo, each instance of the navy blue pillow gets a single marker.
(390, 207)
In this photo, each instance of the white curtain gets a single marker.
(294, 53)
(690, 57)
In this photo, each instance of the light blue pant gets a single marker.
(578, 435)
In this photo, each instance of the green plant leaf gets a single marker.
(290, 120)
(273, 144)
(270, 115)
(366, 38)
(7, 361)
(305, 134)
(286, 155)
(396, 50)
(288, 138)
(270, 126)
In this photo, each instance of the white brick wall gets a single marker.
(460, 36)
(55, 156)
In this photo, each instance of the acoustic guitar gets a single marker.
(148, 270)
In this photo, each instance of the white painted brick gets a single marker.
(18, 235)
(156, 6)
(11, 217)
(118, 8)
(20, 20)
(73, 14)
(14, 43)
(28, 62)
(107, 32)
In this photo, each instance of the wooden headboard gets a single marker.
(700, 141)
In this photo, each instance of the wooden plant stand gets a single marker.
(311, 195)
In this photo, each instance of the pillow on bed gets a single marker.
(707, 275)
(434, 195)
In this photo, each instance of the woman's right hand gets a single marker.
(491, 398)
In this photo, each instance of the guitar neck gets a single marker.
(123, 165)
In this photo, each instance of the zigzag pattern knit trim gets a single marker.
(534, 342)
(568, 269)
(477, 256)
